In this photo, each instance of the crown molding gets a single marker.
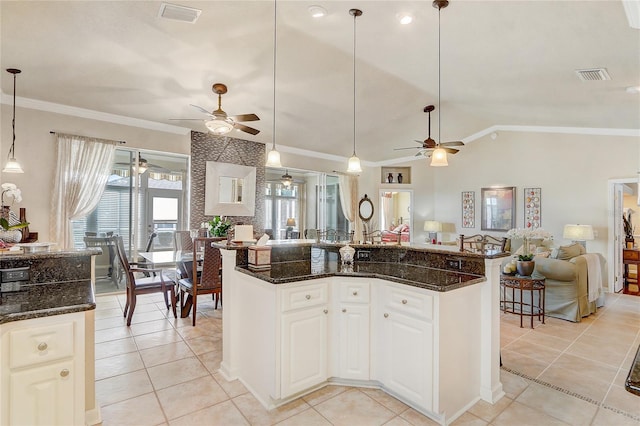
(93, 115)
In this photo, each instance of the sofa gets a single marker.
(567, 282)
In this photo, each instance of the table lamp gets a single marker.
(432, 227)
(578, 233)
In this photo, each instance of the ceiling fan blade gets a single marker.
(454, 143)
(201, 109)
(247, 129)
(244, 117)
(185, 119)
(407, 147)
(417, 141)
(451, 150)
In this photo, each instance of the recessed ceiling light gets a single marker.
(404, 18)
(633, 89)
(317, 11)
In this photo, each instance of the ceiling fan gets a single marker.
(219, 122)
(429, 145)
(143, 166)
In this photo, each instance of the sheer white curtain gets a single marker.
(348, 186)
(387, 210)
(82, 170)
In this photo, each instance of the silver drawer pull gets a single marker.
(42, 346)
(308, 296)
(404, 301)
(386, 315)
(64, 373)
(355, 293)
(326, 311)
(344, 309)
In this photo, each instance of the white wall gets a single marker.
(36, 152)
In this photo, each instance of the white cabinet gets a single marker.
(304, 337)
(42, 371)
(406, 344)
(353, 329)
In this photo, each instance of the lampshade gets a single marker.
(354, 165)
(432, 226)
(287, 179)
(291, 221)
(578, 232)
(439, 158)
(218, 127)
(12, 166)
(273, 158)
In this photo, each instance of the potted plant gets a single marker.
(219, 226)
(628, 229)
(525, 264)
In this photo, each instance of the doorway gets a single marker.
(623, 196)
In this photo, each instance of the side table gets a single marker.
(525, 286)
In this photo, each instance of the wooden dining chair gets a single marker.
(156, 282)
(183, 241)
(206, 281)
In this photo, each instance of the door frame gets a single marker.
(614, 252)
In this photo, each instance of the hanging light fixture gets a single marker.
(12, 165)
(273, 158)
(287, 179)
(354, 161)
(142, 167)
(439, 155)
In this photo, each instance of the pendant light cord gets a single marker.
(275, 47)
(12, 153)
(355, 15)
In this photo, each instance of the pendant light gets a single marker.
(12, 165)
(287, 179)
(354, 161)
(273, 158)
(439, 155)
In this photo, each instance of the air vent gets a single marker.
(178, 13)
(593, 74)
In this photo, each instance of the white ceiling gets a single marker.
(503, 63)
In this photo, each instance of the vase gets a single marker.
(346, 254)
(525, 267)
(390, 178)
(399, 177)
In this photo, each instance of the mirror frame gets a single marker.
(364, 200)
(506, 208)
(212, 204)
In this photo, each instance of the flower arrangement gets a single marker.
(10, 190)
(528, 233)
(626, 222)
(525, 257)
(219, 226)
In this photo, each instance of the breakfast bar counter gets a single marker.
(420, 323)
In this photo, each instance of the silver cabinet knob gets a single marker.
(404, 301)
(386, 315)
(326, 311)
(42, 346)
(355, 293)
(308, 296)
(344, 309)
(64, 373)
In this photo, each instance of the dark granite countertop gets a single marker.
(43, 300)
(13, 255)
(417, 276)
(632, 384)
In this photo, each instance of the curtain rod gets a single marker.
(121, 142)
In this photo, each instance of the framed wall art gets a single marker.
(468, 209)
(498, 209)
(532, 208)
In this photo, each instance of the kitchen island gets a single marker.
(47, 339)
(419, 322)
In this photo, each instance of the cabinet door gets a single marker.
(354, 341)
(304, 349)
(43, 395)
(407, 357)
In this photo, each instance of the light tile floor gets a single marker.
(163, 371)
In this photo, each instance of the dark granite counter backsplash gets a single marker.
(59, 283)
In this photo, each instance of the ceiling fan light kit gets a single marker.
(354, 161)
(12, 165)
(439, 158)
(287, 179)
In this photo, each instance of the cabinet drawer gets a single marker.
(304, 296)
(408, 302)
(354, 292)
(40, 344)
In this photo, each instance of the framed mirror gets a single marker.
(365, 208)
(498, 209)
(230, 190)
(396, 215)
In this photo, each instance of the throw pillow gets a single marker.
(570, 251)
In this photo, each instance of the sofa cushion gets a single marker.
(570, 251)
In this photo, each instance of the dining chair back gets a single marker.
(156, 282)
(105, 262)
(482, 243)
(206, 281)
(335, 235)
